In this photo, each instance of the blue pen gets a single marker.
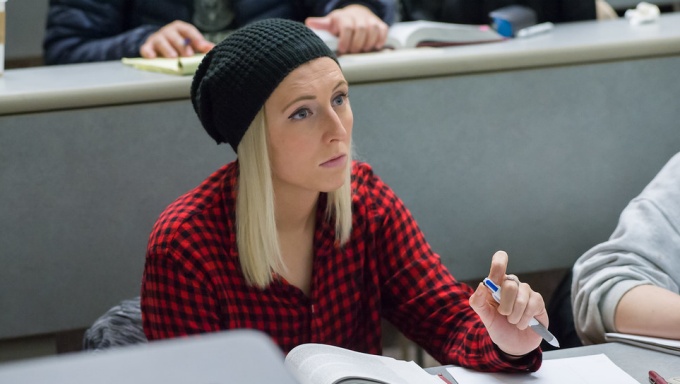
(533, 324)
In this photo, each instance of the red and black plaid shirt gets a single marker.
(193, 281)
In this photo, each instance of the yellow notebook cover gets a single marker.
(175, 66)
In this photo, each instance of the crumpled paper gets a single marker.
(642, 14)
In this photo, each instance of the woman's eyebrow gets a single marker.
(312, 97)
(303, 97)
(340, 84)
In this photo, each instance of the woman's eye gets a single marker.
(339, 99)
(300, 114)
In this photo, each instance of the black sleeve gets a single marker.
(91, 30)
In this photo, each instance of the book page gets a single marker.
(325, 364)
(411, 34)
(593, 369)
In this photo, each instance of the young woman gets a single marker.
(297, 240)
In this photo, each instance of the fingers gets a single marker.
(319, 23)
(510, 293)
(516, 303)
(147, 50)
(357, 28)
(534, 309)
(175, 39)
(519, 303)
(195, 39)
(345, 32)
(499, 265)
(479, 302)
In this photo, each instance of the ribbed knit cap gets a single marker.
(239, 74)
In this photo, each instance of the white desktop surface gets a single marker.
(84, 85)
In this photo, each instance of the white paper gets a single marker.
(592, 369)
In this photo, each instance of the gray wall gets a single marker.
(25, 28)
(80, 191)
(536, 162)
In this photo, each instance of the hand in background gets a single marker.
(358, 29)
(175, 39)
(508, 321)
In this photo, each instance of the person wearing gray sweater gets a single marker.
(631, 283)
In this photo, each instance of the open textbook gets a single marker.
(412, 34)
(325, 364)
(655, 343)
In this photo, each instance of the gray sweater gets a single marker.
(644, 249)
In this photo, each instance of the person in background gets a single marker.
(95, 30)
(631, 283)
(297, 240)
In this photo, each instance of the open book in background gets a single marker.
(412, 34)
(326, 364)
(655, 343)
(174, 66)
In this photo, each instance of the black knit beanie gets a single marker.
(239, 74)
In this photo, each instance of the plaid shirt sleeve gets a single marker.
(421, 297)
(179, 293)
(174, 302)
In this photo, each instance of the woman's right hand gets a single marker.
(175, 39)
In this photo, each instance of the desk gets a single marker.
(533, 146)
(110, 83)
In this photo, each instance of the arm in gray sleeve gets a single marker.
(644, 249)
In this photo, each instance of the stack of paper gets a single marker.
(593, 369)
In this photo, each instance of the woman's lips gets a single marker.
(335, 162)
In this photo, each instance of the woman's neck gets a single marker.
(295, 212)
(295, 222)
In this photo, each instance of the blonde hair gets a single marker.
(256, 234)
